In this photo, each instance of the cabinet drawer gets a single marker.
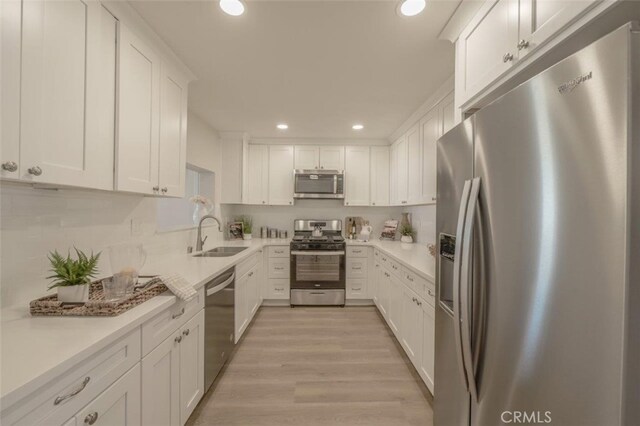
(246, 265)
(356, 289)
(357, 268)
(166, 322)
(357, 251)
(394, 267)
(278, 289)
(279, 268)
(414, 281)
(63, 397)
(278, 251)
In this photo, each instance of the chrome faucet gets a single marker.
(199, 240)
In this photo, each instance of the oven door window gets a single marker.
(317, 268)
(315, 184)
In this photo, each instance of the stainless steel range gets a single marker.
(317, 263)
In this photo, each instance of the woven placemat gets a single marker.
(96, 306)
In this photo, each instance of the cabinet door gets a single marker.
(280, 175)
(307, 157)
(138, 116)
(67, 93)
(332, 157)
(482, 46)
(380, 176)
(173, 132)
(411, 326)
(253, 292)
(447, 114)
(395, 305)
(10, 31)
(541, 19)
(119, 404)
(414, 165)
(428, 345)
(241, 304)
(161, 384)
(393, 175)
(402, 172)
(375, 284)
(357, 170)
(257, 174)
(384, 279)
(430, 132)
(191, 365)
(231, 172)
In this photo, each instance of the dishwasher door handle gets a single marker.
(219, 287)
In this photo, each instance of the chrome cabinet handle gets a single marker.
(91, 418)
(523, 44)
(433, 198)
(418, 302)
(10, 166)
(373, 204)
(178, 339)
(263, 202)
(35, 171)
(278, 268)
(507, 57)
(251, 273)
(356, 289)
(174, 316)
(186, 332)
(414, 299)
(356, 268)
(165, 189)
(156, 188)
(429, 292)
(83, 385)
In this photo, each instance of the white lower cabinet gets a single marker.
(173, 375)
(118, 405)
(427, 354)
(248, 296)
(411, 326)
(395, 304)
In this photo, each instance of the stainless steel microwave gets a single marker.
(318, 184)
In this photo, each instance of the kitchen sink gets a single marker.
(221, 252)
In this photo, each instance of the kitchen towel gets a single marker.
(179, 286)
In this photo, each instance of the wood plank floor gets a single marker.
(317, 366)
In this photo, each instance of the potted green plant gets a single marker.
(72, 276)
(406, 230)
(247, 227)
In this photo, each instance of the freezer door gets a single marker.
(455, 166)
(550, 260)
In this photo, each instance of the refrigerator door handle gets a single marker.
(462, 213)
(466, 287)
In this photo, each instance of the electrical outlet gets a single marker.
(136, 227)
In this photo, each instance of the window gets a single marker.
(177, 213)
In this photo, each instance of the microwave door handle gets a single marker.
(466, 286)
(335, 184)
(462, 213)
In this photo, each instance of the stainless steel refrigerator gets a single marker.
(538, 222)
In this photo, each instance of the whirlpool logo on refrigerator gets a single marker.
(526, 417)
(572, 84)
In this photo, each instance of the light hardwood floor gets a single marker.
(317, 366)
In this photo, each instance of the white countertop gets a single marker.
(35, 350)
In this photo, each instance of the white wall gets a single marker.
(34, 222)
(423, 219)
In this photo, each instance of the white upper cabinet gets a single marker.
(67, 98)
(173, 131)
(430, 130)
(393, 174)
(447, 114)
(486, 48)
(281, 175)
(357, 168)
(332, 157)
(414, 165)
(307, 157)
(10, 11)
(402, 172)
(319, 157)
(257, 175)
(380, 176)
(541, 19)
(231, 188)
(139, 115)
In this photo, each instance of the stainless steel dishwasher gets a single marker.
(219, 319)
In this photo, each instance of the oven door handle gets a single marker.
(317, 253)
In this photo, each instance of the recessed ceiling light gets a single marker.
(412, 7)
(357, 127)
(232, 7)
(282, 126)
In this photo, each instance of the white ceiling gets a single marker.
(319, 66)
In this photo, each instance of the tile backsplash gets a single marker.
(34, 222)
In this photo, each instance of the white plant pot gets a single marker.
(74, 294)
(246, 236)
(406, 239)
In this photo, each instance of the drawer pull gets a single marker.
(91, 418)
(83, 385)
(278, 268)
(356, 268)
(356, 251)
(251, 273)
(357, 289)
(279, 289)
(178, 339)
(186, 332)
(409, 278)
(278, 251)
(429, 292)
(174, 316)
